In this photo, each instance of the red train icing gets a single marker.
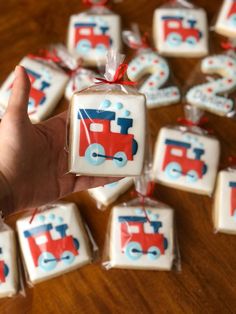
(232, 12)
(175, 33)
(100, 145)
(46, 251)
(232, 185)
(135, 242)
(176, 161)
(85, 37)
(2, 273)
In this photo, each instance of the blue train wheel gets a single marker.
(204, 169)
(174, 39)
(120, 159)
(173, 170)
(76, 243)
(154, 252)
(165, 243)
(31, 102)
(133, 250)
(42, 101)
(101, 48)
(232, 20)
(6, 270)
(191, 40)
(192, 176)
(95, 154)
(67, 257)
(47, 261)
(83, 46)
(134, 147)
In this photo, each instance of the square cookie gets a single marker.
(137, 243)
(186, 160)
(181, 32)
(54, 243)
(225, 202)
(47, 88)
(107, 133)
(109, 193)
(90, 36)
(226, 21)
(8, 263)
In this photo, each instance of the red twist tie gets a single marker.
(101, 3)
(118, 77)
(232, 160)
(46, 55)
(201, 123)
(35, 211)
(227, 45)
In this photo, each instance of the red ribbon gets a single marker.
(101, 3)
(232, 160)
(118, 77)
(46, 55)
(227, 45)
(199, 123)
(144, 43)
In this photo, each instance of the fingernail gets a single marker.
(17, 68)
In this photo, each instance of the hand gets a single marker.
(33, 161)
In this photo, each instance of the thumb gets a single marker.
(18, 102)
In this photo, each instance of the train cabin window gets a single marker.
(41, 240)
(85, 31)
(133, 229)
(173, 24)
(96, 127)
(177, 152)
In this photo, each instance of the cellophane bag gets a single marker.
(158, 88)
(187, 156)
(54, 240)
(108, 125)
(93, 32)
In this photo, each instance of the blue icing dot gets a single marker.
(155, 216)
(51, 216)
(138, 211)
(119, 105)
(41, 218)
(106, 103)
(127, 113)
(59, 220)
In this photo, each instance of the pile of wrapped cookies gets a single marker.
(109, 136)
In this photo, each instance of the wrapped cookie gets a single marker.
(226, 20)
(9, 284)
(180, 30)
(108, 126)
(48, 82)
(224, 211)
(147, 61)
(93, 32)
(53, 242)
(186, 156)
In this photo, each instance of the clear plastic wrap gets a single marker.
(180, 30)
(108, 126)
(54, 241)
(157, 87)
(225, 22)
(186, 156)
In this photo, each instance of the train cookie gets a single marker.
(206, 96)
(54, 243)
(107, 194)
(107, 133)
(8, 263)
(151, 63)
(91, 36)
(47, 88)
(141, 240)
(181, 32)
(226, 21)
(225, 202)
(186, 160)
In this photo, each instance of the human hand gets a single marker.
(33, 161)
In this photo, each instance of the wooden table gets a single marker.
(207, 281)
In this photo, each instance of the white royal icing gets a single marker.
(226, 21)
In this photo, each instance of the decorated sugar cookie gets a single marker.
(141, 240)
(90, 36)
(186, 160)
(54, 243)
(225, 202)
(150, 62)
(47, 88)
(211, 96)
(108, 193)
(181, 32)
(226, 21)
(108, 131)
(8, 263)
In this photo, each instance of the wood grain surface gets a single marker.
(207, 282)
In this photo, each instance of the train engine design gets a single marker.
(176, 162)
(175, 33)
(98, 143)
(231, 16)
(87, 39)
(135, 242)
(4, 269)
(232, 185)
(46, 251)
(37, 96)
